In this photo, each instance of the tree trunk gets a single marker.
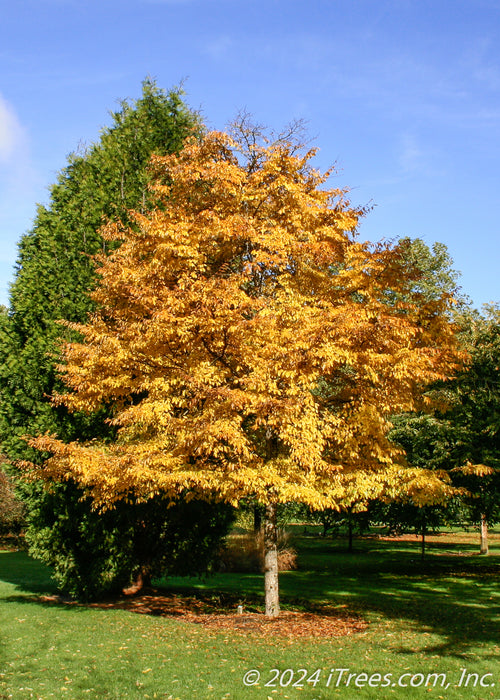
(325, 527)
(142, 580)
(271, 561)
(484, 535)
(424, 530)
(257, 518)
(350, 528)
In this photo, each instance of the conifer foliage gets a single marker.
(89, 554)
(248, 343)
(55, 271)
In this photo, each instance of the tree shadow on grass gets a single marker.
(27, 574)
(459, 600)
(46, 602)
(462, 608)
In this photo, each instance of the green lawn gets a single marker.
(439, 617)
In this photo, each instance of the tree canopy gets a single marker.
(246, 341)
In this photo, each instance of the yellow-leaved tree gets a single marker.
(248, 344)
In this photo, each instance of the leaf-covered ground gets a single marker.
(320, 621)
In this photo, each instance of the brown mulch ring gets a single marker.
(291, 624)
(221, 614)
(12, 543)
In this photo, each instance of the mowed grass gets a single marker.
(437, 617)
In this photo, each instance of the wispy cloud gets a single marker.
(220, 47)
(411, 156)
(18, 179)
(16, 167)
(418, 158)
(12, 137)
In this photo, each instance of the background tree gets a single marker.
(354, 518)
(426, 439)
(54, 277)
(221, 319)
(429, 439)
(437, 276)
(475, 410)
(430, 442)
(460, 435)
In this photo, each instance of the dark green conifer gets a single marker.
(53, 279)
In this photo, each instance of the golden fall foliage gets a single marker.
(247, 342)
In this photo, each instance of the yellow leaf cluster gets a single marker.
(249, 344)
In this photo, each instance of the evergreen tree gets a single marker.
(55, 274)
(55, 271)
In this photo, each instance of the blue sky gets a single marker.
(403, 95)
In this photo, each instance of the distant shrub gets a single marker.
(245, 553)
(11, 508)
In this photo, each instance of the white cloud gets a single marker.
(418, 158)
(220, 47)
(411, 156)
(18, 182)
(12, 136)
(15, 158)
